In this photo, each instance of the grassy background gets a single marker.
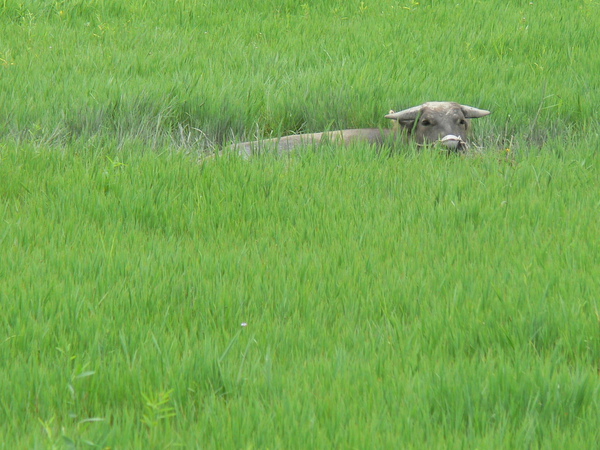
(455, 308)
(404, 301)
(162, 71)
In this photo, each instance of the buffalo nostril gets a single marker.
(452, 141)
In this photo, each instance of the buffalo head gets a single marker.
(438, 122)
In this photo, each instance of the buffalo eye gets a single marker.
(462, 122)
(425, 122)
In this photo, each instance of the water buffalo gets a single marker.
(446, 123)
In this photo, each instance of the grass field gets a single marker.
(335, 298)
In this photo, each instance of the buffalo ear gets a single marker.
(473, 113)
(406, 124)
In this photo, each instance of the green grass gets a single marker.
(405, 301)
(454, 308)
(161, 71)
